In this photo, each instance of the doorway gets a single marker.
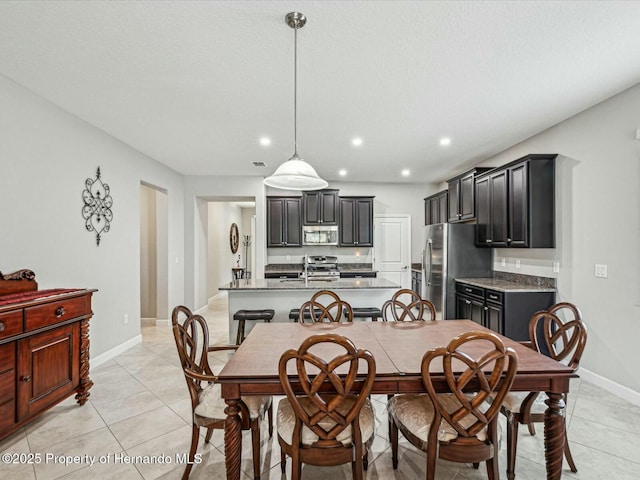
(154, 255)
(392, 240)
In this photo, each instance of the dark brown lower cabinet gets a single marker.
(507, 313)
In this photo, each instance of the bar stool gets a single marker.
(294, 314)
(242, 315)
(366, 312)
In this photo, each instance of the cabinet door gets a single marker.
(463, 307)
(329, 207)
(364, 222)
(518, 206)
(347, 222)
(454, 202)
(467, 198)
(427, 211)
(483, 213)
(493, 317)
(498, 213)
(293, 223)
(7, 385)
(443, 208)
(48, 368)
(311, 208)
(435, 210)
(275, 222)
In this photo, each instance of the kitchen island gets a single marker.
(282, 295)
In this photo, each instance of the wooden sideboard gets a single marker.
(44, 348)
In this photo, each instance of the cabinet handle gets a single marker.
(508, 240)
(59, 312)
(486, 308)
(489, 241)
(493, 297)
(26, 378)
(467, 302)
(468, 290)
(2, 327)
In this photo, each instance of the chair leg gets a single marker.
(365, 459)
(393, 436)
(240, 334)
(532, 428)
(283, 461)
(567, 453)
(208, 436)
(476, 465)
(512, 445)
(356, 466)
(270, 418)
(431, 462)
(296, 466)
(255, 441)
(195, 434)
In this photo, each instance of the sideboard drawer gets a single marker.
(54, 312)
(10, 323)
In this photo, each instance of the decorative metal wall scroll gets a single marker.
(97, 206)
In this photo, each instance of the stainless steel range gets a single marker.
(321, 267)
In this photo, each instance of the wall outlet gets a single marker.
(517, 263)
(600, 271)
(125, 320)
(638, 134)
(503, 262)
(556, 267)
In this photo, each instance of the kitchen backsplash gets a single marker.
(296, 255)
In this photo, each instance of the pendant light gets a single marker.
(295, 173)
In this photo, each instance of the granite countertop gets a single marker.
(416, 267)
(300, 284)
(298, 267)
(505, 285)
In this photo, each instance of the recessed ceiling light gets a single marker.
(406, 172)
(265, 141)
(444, 141)
(342, 172)
(356, 142)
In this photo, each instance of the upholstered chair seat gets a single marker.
(211, 404)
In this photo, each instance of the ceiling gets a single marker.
(195, 85)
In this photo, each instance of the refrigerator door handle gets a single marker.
(429, 255)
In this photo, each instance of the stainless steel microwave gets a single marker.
(319, 235)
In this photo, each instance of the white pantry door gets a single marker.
(392, 242)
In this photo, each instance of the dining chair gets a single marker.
(561, 332)
(460, 426)
(401, 310)
(325, 306)
(332, 423)
(191, 334)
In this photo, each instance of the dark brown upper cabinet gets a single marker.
(284, 221)
(320, 207)
(461, 202)
(435, 208)
(515, 204)
(356, 222)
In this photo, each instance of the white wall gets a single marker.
(45, 157)
(220, 260)
(598, 221)
(148, 253)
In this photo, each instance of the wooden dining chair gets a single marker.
(401, 310)
(460, 426)
(325, 306)
(333, 421)
(561, 332)
(191, 334)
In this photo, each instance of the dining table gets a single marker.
(398, 348)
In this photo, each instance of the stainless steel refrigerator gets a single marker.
(449, 252)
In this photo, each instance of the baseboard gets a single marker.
(218, 295)
(148, 321)
(162, 322)
(619, 390)
(114, 352)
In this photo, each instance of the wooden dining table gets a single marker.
(398, 348)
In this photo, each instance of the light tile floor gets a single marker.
(139, 409)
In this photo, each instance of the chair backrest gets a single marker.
(399, 309)
(327, 389)
(485, 364)
(562, 331)
(325, 306)
(192, 340)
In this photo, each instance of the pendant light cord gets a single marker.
(295, 90)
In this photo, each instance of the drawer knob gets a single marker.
(26, 378)
(59, 312)
(2, 327)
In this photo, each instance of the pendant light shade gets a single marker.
(295, 173)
